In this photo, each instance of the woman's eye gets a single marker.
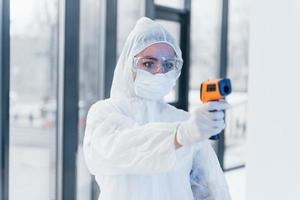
(169, 65)
(148, 64)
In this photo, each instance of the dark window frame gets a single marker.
(4, 102)
(67, 99)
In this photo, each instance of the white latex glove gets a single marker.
(203, 124)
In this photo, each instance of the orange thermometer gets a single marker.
(214, 90)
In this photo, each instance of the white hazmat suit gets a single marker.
(129, 140)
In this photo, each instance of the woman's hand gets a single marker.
(202, 124)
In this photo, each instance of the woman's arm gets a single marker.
(115, 144)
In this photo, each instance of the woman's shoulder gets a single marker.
(99, 105)
(100, 109)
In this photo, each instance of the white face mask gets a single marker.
(154, 86)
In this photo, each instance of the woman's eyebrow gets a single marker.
(150, 57)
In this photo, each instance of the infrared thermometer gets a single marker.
(214, 90)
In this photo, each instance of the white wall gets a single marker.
(273, 148)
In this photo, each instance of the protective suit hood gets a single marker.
(145, 33)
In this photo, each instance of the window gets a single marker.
(238, 73)
(91, 53)
(205, 45)
(34, 40)
(126, 19)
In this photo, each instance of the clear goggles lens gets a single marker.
(157, 65)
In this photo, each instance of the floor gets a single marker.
(237, 183)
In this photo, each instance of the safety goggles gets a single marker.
(157, 65)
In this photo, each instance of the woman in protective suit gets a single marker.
(141, 148)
